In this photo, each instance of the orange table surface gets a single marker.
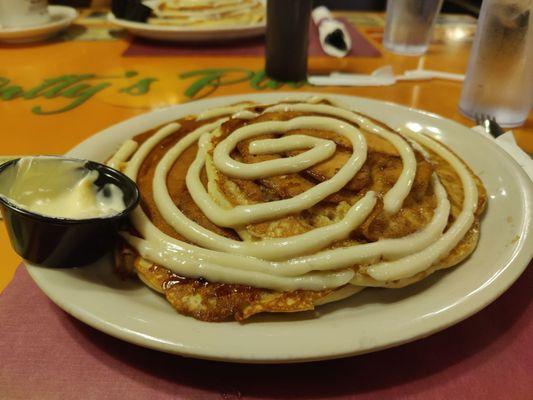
(101, 87)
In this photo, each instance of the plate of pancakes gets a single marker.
(199, 20)
(291, 227)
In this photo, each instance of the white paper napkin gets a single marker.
(327, 25)
(508, 143)
(383, 76)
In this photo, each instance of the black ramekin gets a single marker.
(63, 242)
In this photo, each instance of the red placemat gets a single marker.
(254, 47)
(46, 354)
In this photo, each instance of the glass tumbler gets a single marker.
(499, 79)
(409, 25)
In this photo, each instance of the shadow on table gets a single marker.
(74, 32)
(472, 342)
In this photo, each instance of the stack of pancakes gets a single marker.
(194, 291)
(209, 13)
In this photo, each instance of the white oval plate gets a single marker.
(177, 34)
(369, 321)
(60, 19)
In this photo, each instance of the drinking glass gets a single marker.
(499, 79)
(409, 25)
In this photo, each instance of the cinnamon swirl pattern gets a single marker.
(277, 208)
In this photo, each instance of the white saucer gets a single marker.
(61, 18)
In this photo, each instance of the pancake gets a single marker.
(407, 200)
(216, 302)
(208, 13)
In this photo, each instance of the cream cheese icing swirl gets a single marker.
(301, 261)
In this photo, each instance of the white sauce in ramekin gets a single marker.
(59, 188)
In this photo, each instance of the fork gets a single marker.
(489, 124)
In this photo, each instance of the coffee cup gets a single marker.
(23, 13)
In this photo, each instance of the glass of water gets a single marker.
(499, 79)
(409, 25)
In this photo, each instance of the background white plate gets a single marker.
(61, 18)
(177, 34)
(369, 321)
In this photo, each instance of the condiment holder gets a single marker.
(63, 242)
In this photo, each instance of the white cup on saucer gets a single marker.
(23, 13)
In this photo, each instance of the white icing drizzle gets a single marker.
(188, 259)
(245, 114)
(294, 262)
(215, 272)
(418, 148)
(326, 260)
(220, 111)
(418, 262)
(214, 190)
(320, 151)
(394, 198)
(314, 99)
(281, 248)
(123, 153)
(132, 169)
(247, 214)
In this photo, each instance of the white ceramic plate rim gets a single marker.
(67, 14)
(468, 304)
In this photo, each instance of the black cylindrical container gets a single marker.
(61, 242)
(287, 39)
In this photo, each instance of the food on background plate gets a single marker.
(257, 208)
(193, 13)
(208, 13)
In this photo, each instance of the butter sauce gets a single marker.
(57, 188)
